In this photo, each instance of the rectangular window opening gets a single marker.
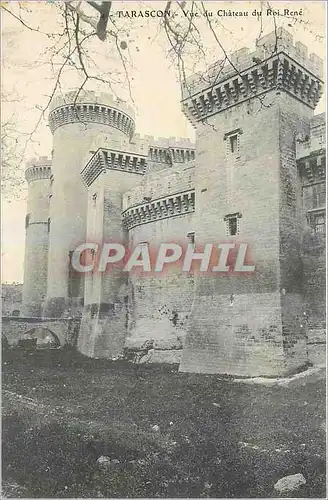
(233, 143)
(232, 224)
(191, 237)
(232, 139)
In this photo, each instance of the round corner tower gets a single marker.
(37, 174)
(76, 120)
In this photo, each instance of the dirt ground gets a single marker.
(166, 434)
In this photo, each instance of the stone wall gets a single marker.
(160, 185)
(65, 330)
(37, 174)
(294, 119)
(76, 123)
(311, 155)
(11, 298)
(111, 185)
(117, 306)
(314, 286)
(104, 321)
(238, 325)
(160, 303)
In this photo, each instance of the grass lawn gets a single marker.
(216, 437)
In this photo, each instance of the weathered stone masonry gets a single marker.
(264, 106)
(256, 175)
(38, 175)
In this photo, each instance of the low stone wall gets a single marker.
(64, 330)
(166, 350)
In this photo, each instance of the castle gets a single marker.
(256, 174)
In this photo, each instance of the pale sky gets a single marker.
(28, 75)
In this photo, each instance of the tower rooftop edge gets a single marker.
(86, 106)
(276, 64)
(242, 59)
(76, 96)
(38, 168)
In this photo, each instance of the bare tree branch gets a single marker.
(74, 50)
(104, 10)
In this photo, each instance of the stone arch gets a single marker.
(45, 337)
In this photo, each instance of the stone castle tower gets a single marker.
(76, 120)
(241, 183)
(248, 188)
(37, 174)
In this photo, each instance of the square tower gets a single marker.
(248, 190)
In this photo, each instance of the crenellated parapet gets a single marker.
(38, 168)
(171, 150)
(85, 96)
(91, 107)
(170, 155)
(159, 208)
(275, 65)
(166, 150)
(164, 142)
(137, 157)
(109, 159)
(170, 142)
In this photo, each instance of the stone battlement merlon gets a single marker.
(173, 205)
(242, 59)
(90, 107)
(91, 97)
(164, 142)
(166, 150)
(38, 168)
(171, 143)
(279, 73)
(170, 156)
(41, 161)
(37, 172)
